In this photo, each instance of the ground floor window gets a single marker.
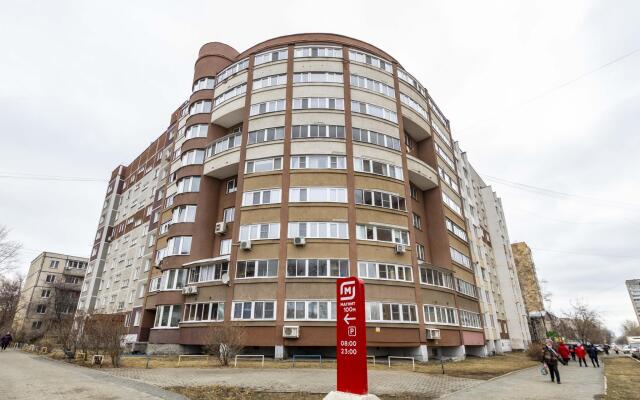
(168, 316)
(197, 312)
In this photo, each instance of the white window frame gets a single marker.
(305, 306)
(333, 267)
(172, 309)
(314, 194)
(398, 235)
(441, 315)
(261, 269)
(252, 310)
(314, 161)
(368, 166)
(248, 198)
(375, 308)
(372, 270)
(194, 310)
(318, 230)
(255, 231)
(271, 164)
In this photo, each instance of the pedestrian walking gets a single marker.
(593, 355)
(606, 349)
(550, 359)
(564, 353)
(581, 354)
(572, 349)
(5, 340)
(616, 349)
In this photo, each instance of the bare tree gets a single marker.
(225, 341)
(585, 322)
(630, 328)
(8, 251)
(104, 333)
(9, 300)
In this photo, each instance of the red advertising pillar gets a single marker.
(351, 340)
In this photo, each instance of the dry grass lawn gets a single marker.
(623, 378)
(233, 393)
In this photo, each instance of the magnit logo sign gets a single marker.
(347, 290)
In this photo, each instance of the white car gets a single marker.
(626, 349)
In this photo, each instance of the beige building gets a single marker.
(50, 291)
(633, 286)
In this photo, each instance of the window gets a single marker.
(451, 203)
(317, 51)
(259, 197)
(465, 287)
(232, 70)
(267, 107)
(196, 131)
(368, 59)
(203, 312)
(260, 231)
(268, 81)
(318, 162)
(232, 185)
(443, 154)
(420, 254)
(179, 246)
(184, 214)
(460, 258)
(208, 273)
(470, 319)
(204, 83)
(440, 315)
(318, 194)
(228, 214)
(229, 94)
(202, 106)
(266, 135)
(36, 325)
(312, 310)
(407, 78)
(318, 230)
(45, 294)
(417, 221)
(168, 316)
(380, 199)
(192, 157)
(448, 180)
(317, 131)
(414, 105)
(373, 270)
(263, 165)
(370, 84)
(328, 103)
(270, 56)
(225, 247)
(317, 77)
(434, 277)
(440, 133)
(317, 268)
(382, 234)
(249, 310)
(50, 278)
(408, 140)
(379, 139)
(257, 269)
(378, 168)
(456, 229)
(390, 312)
(373, 110)
(41, 308)
(71, 279)
(54, 264)
(173, 279)
(228, 142)
(413, 190)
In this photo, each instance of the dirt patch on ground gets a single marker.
(623, 378)
(234, 393)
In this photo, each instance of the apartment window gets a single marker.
(192, 157)
(317, 268)
(168, 316)
(266, 135)
(445, 157)
(390, 312)
(460, 258)
(260, 231)
(376, 138)
(41, 308)
(254, 310)
(451, 203)
(174, 279)
(408, 140)
(232, 70)
(232, 185)
(204, 83)
(310, 310)
(318, 194)
(434, 277)
(260, 197)
(228, 142)
(229, 94)
(470, 319)
(36, 325)
(263, 165)
(225, 247)
(406, 77)
(414, 105)
(271, 56)
(317, 77)
(318, 230)
(188, 184)
(267, 107)
(203, 312)
(420, 253)
(45, 294)
(382, 234)
(413, 190)
(440, 315)
(374, 111)
(371, 84)
(268, 81)
(317, 51)
(54, 264)
(451, 182)
(456, 229)
(440, 133)
(380, 199)
(317, 131)
(417, 221)
(228, 214)
(377, 168)
(257, 269)
(179, 246)
(202, 106)
(327, 103)
(391, 272)
(196, 131)
(465, 287)
(71, 279)
(368, 59)
(318, 162)
(184, 214)
(50, 278)
(208, 273)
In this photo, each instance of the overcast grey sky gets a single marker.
(85, 86)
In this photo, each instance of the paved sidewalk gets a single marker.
(529, 384)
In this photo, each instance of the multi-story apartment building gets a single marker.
(300, 160)
(633, 286)
(49, 293)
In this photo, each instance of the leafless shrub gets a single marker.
(103, 334)
(225, 341)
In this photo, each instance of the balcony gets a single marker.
(413, 123)
(223, 165)
(74, 271)
(421, 174)
(229, 113)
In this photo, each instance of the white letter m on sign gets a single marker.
(347, 290)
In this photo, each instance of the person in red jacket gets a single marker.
(564, 353)
(581, 354)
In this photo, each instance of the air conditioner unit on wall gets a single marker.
(299, 241)
(291, 332)
(221, 228)
(245, 245)
(400, 248)
(190, 290)
(433, 333)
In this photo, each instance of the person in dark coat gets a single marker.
(572, 349)
(5, 340)
(593, 355)
(550, 359)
